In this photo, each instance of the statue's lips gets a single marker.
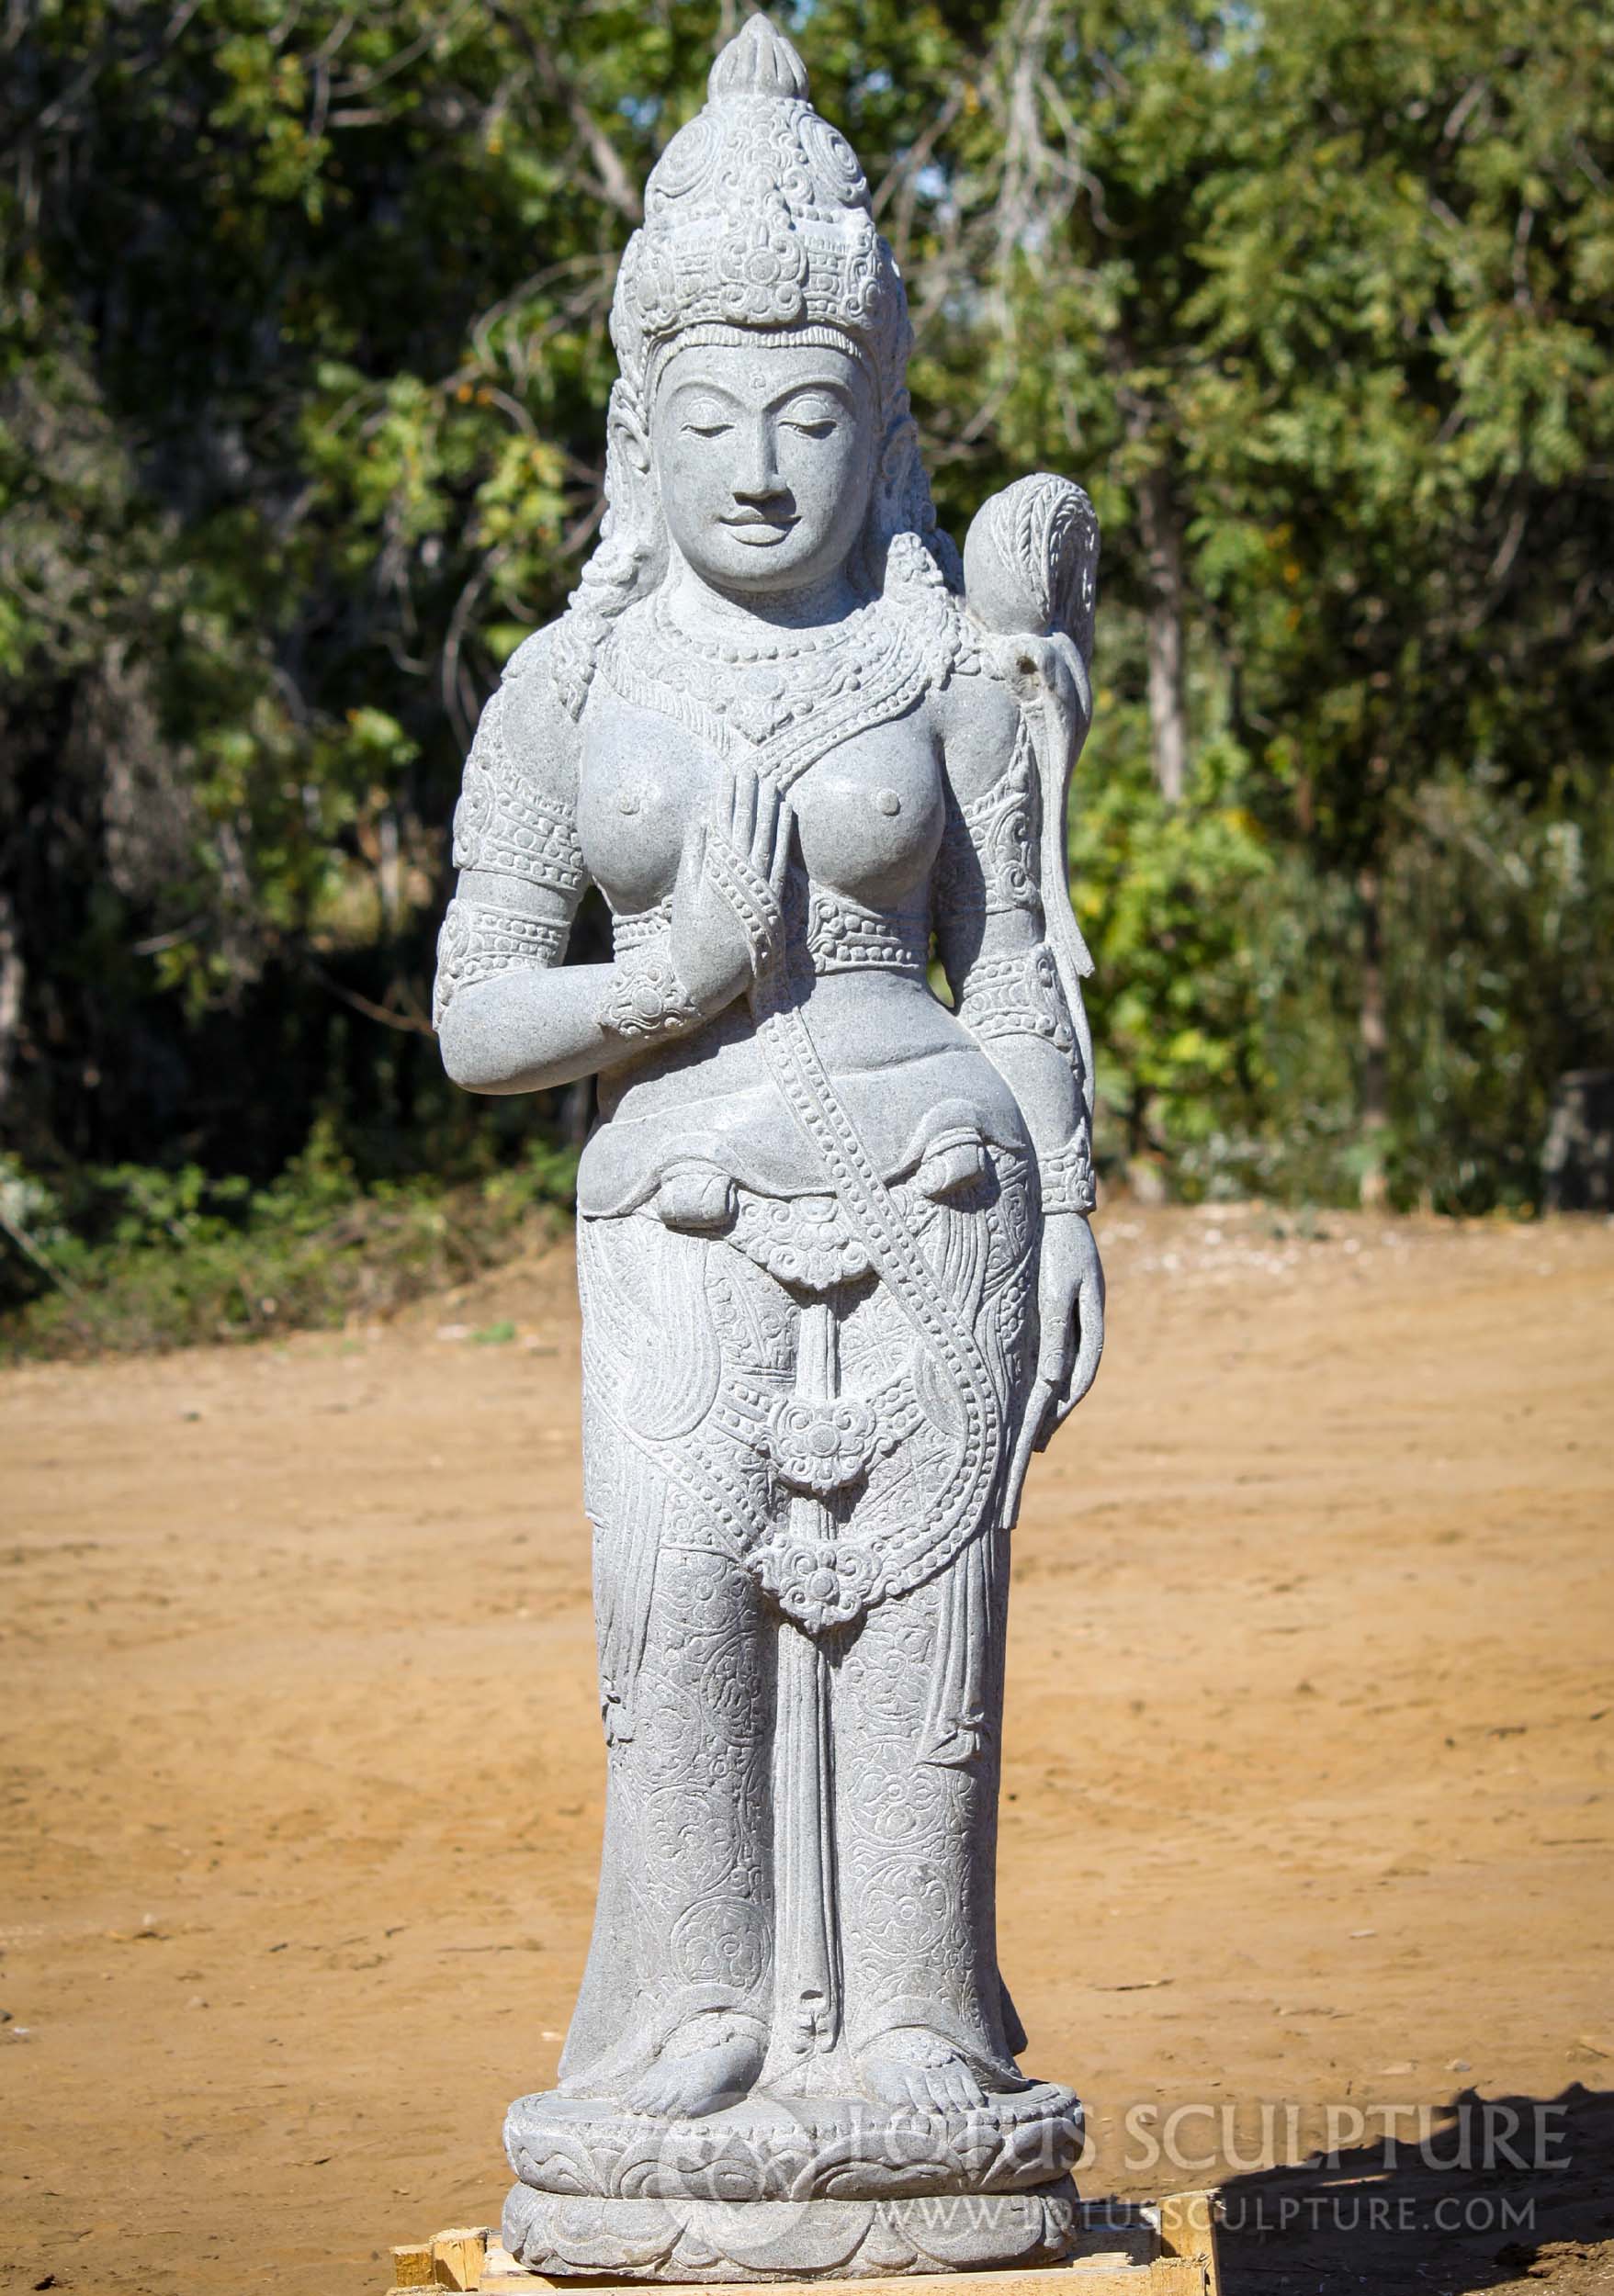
(753, 529)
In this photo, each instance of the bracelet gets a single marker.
(1067, 1176)
(648, 999)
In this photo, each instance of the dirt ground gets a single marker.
(1307, 1809)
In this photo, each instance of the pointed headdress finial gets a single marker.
(758, 61)
(757, 217)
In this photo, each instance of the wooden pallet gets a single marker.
(1162, 2248)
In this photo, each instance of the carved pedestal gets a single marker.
(791, 2188)
(695, 2241)
(1111, 2248)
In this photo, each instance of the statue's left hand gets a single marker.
(726, 901)
(1070, 1305)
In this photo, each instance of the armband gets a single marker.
(477, 943)
(987, 866)
(1018, 995)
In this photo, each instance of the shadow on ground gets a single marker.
(1480, 2193)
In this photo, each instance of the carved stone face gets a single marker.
(764, 457)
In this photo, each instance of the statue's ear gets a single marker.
(894, 475)
(633, 532)
(626, 432)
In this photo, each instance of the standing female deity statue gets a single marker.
(837, 1275)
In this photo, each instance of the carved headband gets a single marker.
(820, 338)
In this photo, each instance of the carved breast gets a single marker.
(869, 814)
(641, 781)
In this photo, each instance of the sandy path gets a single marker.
(1308, 1792)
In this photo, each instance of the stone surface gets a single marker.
(837, 1273)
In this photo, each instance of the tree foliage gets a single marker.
(302, 370)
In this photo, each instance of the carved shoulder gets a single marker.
(979, 721)
(517, 809)
(540, 732)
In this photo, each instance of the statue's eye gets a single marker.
(708, 426)
(813, 425)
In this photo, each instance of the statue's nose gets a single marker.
(757, 475)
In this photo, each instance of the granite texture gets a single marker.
(837, 1273)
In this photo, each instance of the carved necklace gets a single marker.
(784, 703)
(784, 645)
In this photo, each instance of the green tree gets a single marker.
(1318, 300)
(302, 364)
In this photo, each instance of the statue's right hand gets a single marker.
(727, 918)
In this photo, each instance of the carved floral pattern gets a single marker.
(823, 2148)
(819, 1583)
(988, 860)
(647, 998)
(822, 1444)
(801, 1240)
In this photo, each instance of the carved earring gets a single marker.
(628, 433)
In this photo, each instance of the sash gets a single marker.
(952, 1378)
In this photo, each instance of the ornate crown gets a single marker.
(757, 216)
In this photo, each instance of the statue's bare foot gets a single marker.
(683, 2087)
(913, 2067)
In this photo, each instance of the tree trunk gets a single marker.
(389, 871)
(1162, 539)
(1373, 1037)
(11, 987)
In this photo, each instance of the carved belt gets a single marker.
(809, 1243)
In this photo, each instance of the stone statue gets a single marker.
(836, 1275)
